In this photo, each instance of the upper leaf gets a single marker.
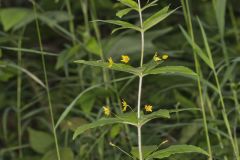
(174, 149)
(115, 66)
(130, 3)
(157, 17)
(162, 113)
(123, 24)
(153, 3)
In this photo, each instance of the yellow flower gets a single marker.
(125, 59)
(124, 105)
(148, 108)
(156, 58)
(165, 56)
(110, 62)
(106, 110)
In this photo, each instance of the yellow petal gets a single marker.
(156, 58)
(165, 56)
(106, 110)
(125, 59)
(148, 108)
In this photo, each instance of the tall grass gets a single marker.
(46, 82)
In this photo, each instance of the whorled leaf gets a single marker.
(123, 24)
(176, 70)
(123, 12)
(162, 113)
(128, 118)
(115, 66)
(176, 149)
(130, 3)
(153, 3)
(157, 17)
(146, 151)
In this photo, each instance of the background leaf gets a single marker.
(40, 141)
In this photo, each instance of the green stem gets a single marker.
(46, 82)
(71, 23)
(198, 70)
(225, 117)
(140, 84)
(19, 95)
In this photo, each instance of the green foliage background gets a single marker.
(70, 32)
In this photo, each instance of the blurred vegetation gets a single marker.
(70, 32)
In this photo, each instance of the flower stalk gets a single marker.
(140, 83)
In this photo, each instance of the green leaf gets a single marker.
(184, 101)
(176, 149)
(176, 70)
(130, 3)
(123, 24)
(72, 123)
(151, 65)
(115, 130)
(40, 141)
(127, 118)
(162, 113)
(115, 66)
(146, 151)
(72, 104)
(65, 154)
(157, 17)
(198, 50)
(206, 44)
(220, 11)
(31, 75)
(66, 55)
(153, 3)
(12, 16)
(92, 46)
(87, 101)
(123, 12)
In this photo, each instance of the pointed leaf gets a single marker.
(162, 113)
(123, 12)
(123, 24)
(12, 16)
(130, 3)
(146, 151)
(177, 70)
(198, 50)
(157, 17)
(128, 118)
(176, 149)
(115, 66)
(153, 3)
(220, 11)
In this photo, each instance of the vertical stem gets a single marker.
(46, 83)
(140, 83)
(71, 23)
(19, 94)
(198, 70)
